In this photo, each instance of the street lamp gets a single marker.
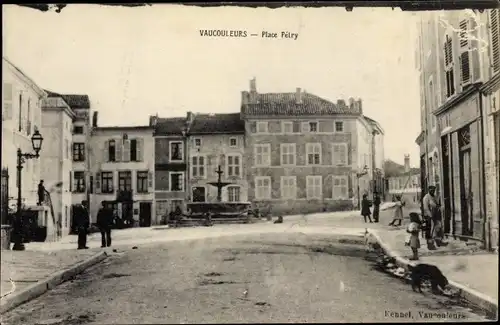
(358, 176)
(36, 142)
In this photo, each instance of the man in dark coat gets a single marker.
(82, 224)
(104, 222)
(365, 208)
(376, 206)
(41, 193)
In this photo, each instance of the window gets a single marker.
(107, 182)
(340, 187)
(198, 167)
(465, 70)
(199, 194)
(112, 150)
(262, 153)
(339, 126)
(313, 151)
(495, 39)
(78, 130)
(314, 187)
(176, 151)
(125, 181)
(133, 150)
(197, 142)
(91, 184)
(66, 216)
(78, 151)
(339, 154)
(142, 182)
(79, 181)
(176, 181)
(313, 126)
(233, 165)
(288, 187)
(262, 188)
(28, 118)
(233, 142)
(287, 127)
(262, 127)
(448, 59)
(233, 194)
(288, 153)
(20, 127)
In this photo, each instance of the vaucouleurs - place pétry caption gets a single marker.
(244, 33)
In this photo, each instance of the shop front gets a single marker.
(462, 166)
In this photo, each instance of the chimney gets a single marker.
(189, 117)
(253, 92)
(360, 105)
(94, 120)
(244, 97)
(351, 102)
(153, 119)
(407, 163)
(298, 96)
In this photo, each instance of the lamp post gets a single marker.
(36, 142)
(358, 176)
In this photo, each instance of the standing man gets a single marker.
(376, 206)
(41, 193)
(430, 210)
(104, 222)
(82, 224)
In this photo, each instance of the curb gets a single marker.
(470, 295)
(37, 289)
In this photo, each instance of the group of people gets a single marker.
(430, 225)
(105, 220)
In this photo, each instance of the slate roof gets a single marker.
(280, 104)
(217, 124)
(73, 100)
(373, 122)
(170, 126)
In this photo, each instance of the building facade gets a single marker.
(171, 166)
(123, 172)
(21, 116)
(217, 144)
(56, 158)
(304, 153)
(406, 184)
(458, 79)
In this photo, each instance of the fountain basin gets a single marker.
(218, 209)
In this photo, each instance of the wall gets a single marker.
(408, 187)
(82, 120)
(15, 83)
(100, 163)
(326, 137)
(214, 149)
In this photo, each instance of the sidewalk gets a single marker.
(21, 269)
(471, 270)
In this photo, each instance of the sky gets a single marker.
(141, 61)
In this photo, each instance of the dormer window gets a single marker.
(112, 150)
(313, 126)
(197, 142)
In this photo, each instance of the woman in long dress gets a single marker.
(398, 212)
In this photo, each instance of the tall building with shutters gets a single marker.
(458, 59)
(123, 172)
(306, 154)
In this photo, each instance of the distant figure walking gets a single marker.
(376, 207)
(398, 212)
(82, 224)
(41, 193)
(104, 222)
(365, 208)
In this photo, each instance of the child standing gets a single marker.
(398, 212)
(365, 208)
(413, 230)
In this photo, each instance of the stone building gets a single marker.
(304, 153)
(123, 172)
(171, 166)
(458, 81)
(215, 141)
(406, 183)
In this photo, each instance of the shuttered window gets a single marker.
(495, 39)
(7, 94)
(465, 62)
(448, 60)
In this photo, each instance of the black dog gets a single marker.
(279, 220)
(422, 272)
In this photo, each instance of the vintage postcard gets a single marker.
(220, 163)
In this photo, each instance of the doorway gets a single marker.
(446, 184)
(145, 214)
(199, 194)
(465, 192)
